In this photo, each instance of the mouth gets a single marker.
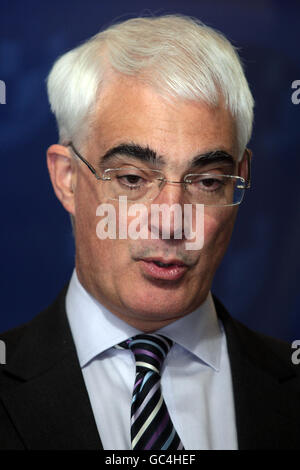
(163, 269)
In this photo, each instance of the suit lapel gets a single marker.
(265, 386)
(45, 393)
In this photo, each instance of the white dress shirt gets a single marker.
(196, 378)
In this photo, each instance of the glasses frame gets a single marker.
(163, 179)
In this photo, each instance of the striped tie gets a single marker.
(151, 425)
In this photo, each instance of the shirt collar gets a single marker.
(95, 329)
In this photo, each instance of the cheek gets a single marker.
(218, 226)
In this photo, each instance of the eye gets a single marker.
(130, 179)
(211, 183)
(207, 183)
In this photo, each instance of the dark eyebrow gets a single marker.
(137, 152)
(149, 156)
(217, 156)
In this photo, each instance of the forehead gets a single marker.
(130, 111)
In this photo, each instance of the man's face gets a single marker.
(121, 274)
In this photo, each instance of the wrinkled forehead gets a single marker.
(131, 112)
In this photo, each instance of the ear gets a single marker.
(62, 170)
(244, 166)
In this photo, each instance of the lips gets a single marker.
(159, 268)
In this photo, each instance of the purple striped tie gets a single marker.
(151, 425)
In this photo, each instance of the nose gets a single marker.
(166, 214)
(172, 192)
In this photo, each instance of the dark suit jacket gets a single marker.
(44, 402)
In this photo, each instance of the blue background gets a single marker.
(258, 280)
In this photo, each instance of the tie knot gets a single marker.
(149, 350)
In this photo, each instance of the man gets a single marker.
(152, 111)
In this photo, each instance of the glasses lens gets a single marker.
(215, 190)
(134, 183)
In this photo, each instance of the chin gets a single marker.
(157, 304)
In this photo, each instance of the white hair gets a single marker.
(177, 55)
